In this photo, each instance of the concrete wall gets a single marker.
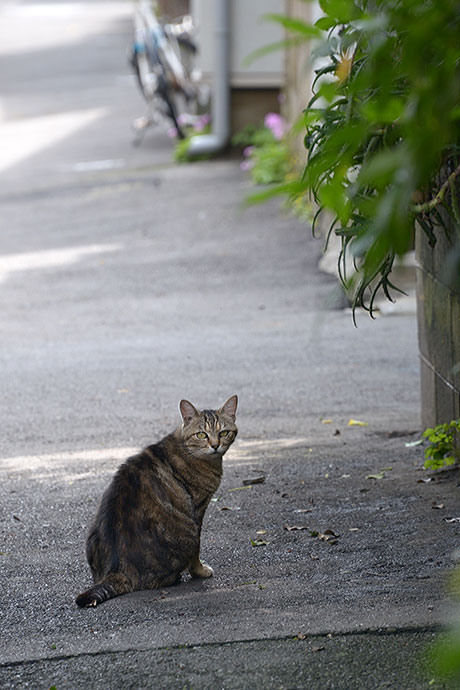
(438, 312)
(299, 67)
(248, 32)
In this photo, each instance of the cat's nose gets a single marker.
(215, 444)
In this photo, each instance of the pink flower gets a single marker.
(172, 132)
(275, 123)
(247, 151)
(246, 165)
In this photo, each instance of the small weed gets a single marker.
(442, 450)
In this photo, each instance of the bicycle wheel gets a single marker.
(172, 111)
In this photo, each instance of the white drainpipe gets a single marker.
(218, 139)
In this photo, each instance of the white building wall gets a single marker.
(248, 32)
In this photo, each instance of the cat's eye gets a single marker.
(201, 434)
(225, 432)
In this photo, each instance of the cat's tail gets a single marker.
(112, 586)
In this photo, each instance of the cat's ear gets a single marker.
(229, 408)
(188, 411)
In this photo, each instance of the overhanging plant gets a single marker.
(383, 131)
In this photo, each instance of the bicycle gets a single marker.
(162, 58)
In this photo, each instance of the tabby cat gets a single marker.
(147, 529)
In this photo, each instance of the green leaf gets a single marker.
(384, 112)
(343, 10)
(328, 90)
(286, 189)
(325, 23)
(332, 195)
(371, 24)
(381, 168)
(272, 48)
(294, 25)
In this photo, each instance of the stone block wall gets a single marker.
(438, 313)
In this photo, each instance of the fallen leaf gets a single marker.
(424, 481)
(328, 536)
(456, 519)
(250, 482)
(438, 506)
(337, 432)
(228, 508)
(329, 532)
(15, 517)
(356, 422)
(412, 444)
(328, 539)
(344, 476)
(379, 475)
(386, 469)
(301, 636)
(240, 488)
(326, 421)
(353, 529)
(295, 528)
(302, 510)
(259, 542)
(261, 531)
(317, 649)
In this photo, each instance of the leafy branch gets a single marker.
(382, 130)
(428, 206)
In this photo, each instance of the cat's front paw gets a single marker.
(201, 570)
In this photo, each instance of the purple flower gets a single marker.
(246, 165)
(275, 123)
(247, 151)
(202, 122)
(172, 132)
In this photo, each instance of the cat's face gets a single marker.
(210, 433)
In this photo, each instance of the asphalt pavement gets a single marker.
(129, 282)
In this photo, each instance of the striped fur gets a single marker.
(148, 526)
